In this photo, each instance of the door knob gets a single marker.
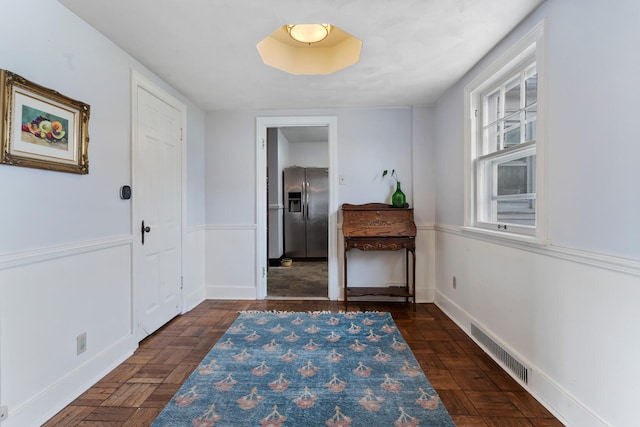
(143, 230)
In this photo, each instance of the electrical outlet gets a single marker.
(4, 413)
(81, 343)
(455, 282)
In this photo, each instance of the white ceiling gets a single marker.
(413, 50)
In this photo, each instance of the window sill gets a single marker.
(501, 236)
(545, 247)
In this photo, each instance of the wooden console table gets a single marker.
(380, 227)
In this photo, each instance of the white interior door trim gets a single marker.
(262, 123)
(139, 81)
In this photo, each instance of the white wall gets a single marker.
(273, 168)
(274, 202)
(369, 141)
(424, 203)
(423, 167)
(193, 268)
(65, 251)
(283, 159)
(309, 154)
(195, 166)
(570, 309)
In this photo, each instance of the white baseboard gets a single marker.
(550, 394)
(193, 299)
(57, 396)
(230, 292)
(425, 295)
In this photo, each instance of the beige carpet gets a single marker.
(302, 279)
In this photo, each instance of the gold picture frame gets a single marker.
(41, 128)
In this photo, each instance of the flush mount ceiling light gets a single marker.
(309, 33)
(310, 49)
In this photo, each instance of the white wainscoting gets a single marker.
(193, 267)
(47, 298)
(230, 262)
(425, 264)
(570, 316)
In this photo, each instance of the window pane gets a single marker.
(516, 176)
(519, 212)
(492, 136)
(493, 107)
(530, 124)
(531, 89)
(512, 135)
(512, 96)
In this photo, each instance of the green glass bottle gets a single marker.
(398, 199)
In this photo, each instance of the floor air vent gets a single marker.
(508, 361)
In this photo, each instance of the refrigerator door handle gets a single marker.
(303, 199)
(306, 202)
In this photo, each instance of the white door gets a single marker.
(157, 197)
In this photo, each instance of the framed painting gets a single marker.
(41, 128)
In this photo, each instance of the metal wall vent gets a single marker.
(508, 361)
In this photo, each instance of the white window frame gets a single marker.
(528, 50)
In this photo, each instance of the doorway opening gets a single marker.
(271, 205)
(298, 211)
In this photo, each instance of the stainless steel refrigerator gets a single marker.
(306, 212)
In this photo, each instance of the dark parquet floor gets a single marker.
(476, 391)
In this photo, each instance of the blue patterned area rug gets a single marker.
(274, 369)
